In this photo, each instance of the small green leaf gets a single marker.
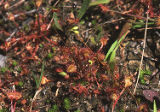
(97, 2)
(55, 18)
(62, 73)
(90, 62)
(84, 8)
(74, 28)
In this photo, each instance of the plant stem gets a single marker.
(144, 45)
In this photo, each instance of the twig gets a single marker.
(144, 45)
(16, 4)
(34, 98)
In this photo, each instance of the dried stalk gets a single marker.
(144, 45)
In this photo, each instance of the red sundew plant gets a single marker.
(87, 71)
(12, 96)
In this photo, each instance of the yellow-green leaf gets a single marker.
(97, 2)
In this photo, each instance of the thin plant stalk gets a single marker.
(144, 45)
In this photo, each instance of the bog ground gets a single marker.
(79, 56)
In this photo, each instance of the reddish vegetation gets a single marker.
(82, 68)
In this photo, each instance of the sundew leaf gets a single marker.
(97, 2)
(84, 8)
(55, 18)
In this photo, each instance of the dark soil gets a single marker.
(53, 61)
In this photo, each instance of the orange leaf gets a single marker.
(14, 95)
(11, 17)
(72, 68)
(38, 3)
(44, 80)
(128, 81)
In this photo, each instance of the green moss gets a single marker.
(67, 104)
(54, 109)
(4, 69)
(20, 84)
(77, 110)
(50, 55)
(14, 63)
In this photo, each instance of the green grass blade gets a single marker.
(97, 2)
(42, 72)
(112, 57)
(84, 8)
(111, 50)
(36, 80)
(154, 106)
(114, 48)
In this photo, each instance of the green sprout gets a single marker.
(14, 63)
(20, 84)
(53, 49)
(38, 81)
(67, 104)
(50, 55)
(63, 74)
(142, 74)
(90, 62)
(41, 45)
(75, 30)
(111, 54)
